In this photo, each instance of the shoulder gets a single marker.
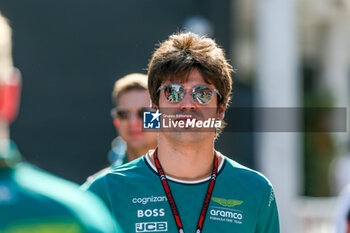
(244, 175)
(251, 184)
(131, 170)
(45, 188)
(93, 177)
(134, 168)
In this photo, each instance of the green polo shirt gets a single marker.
(243, 200)
(33, 201)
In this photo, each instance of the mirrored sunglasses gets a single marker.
(202, 94)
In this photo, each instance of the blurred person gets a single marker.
(341, 222)
(340, 171)
(131, 98)
(348, 222)
(185, 185)
(31, 200)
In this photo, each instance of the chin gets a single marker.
(136, 142)
(188, 136)
(138, 136)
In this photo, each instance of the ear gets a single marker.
(10, 91)
(116, 122)
(220, 112)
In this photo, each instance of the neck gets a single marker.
(4, 131)
(4, 144)
(186, 161)
(133, 153)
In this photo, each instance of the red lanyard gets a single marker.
(171, 200)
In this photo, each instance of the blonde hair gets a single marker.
(5, 47)
(134, 81)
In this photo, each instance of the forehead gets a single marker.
(194, 77)
(134, 99)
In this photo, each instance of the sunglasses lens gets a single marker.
(202, 94)
(174, 93)
(122, 114)
(140, 113)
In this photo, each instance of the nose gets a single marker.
(134, 119)
(188, 103)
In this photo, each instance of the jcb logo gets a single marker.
(151, 226)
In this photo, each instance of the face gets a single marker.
(189, 106)
(130, 128)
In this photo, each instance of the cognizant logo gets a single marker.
(145, 200)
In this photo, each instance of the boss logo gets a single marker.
(151, 226)
(150, 213)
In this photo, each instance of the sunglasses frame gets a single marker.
(139, 112)
(192, 92)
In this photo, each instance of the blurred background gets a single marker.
(288, 53)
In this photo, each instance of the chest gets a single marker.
(144, 207)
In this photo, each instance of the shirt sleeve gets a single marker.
(268, 221)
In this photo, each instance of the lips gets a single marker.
(135, 132)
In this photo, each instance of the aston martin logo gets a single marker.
(226, 202)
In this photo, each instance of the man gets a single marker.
(33, 201)
(130, 96)
(185, 185)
